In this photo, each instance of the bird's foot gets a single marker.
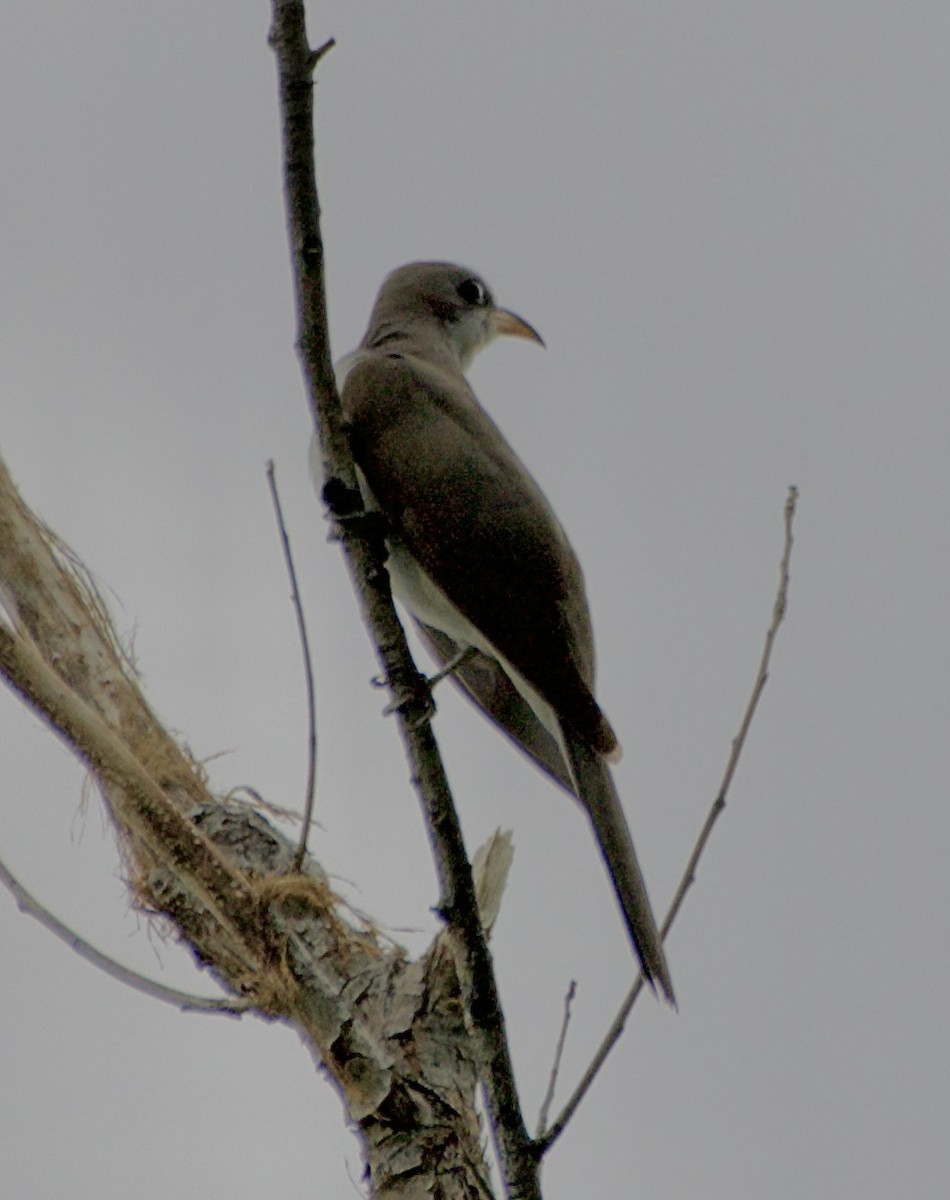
(366, 523)
(411, 697)
(458, 660)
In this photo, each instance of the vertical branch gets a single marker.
(311, 788)
(364, 553)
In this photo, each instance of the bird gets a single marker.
(477, 555)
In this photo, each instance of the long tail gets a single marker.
(595, 787)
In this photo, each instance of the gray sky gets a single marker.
(731, 223)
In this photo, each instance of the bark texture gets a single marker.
(389, 1032)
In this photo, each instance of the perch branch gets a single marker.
(363, 550)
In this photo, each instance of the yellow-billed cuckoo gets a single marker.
(476, 553)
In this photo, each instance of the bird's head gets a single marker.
(444, 301)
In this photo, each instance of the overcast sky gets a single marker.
(731, 223)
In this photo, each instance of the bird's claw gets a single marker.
(457, 660)
(411, 698)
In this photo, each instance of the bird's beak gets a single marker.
(507, 324)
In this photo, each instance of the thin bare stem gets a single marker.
(158, 991)
(544, 1143)
(316, 55)
(307, 668)
(556, 1065)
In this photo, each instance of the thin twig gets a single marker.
(307, 668)
(544, 1143)
(158, 991)
(316, 55)
(556, 1066)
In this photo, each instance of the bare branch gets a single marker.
(556, 1065)
(185, 1001)
(144, 811)
(778, 615)
(222, 874)
(316, 55)
(307, 668)
(689, 876)
(362, 544)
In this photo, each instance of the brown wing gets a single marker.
(483, 680)
(471, 515)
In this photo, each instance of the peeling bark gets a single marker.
(389, 1032)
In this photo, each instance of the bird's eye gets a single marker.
(473, 291)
